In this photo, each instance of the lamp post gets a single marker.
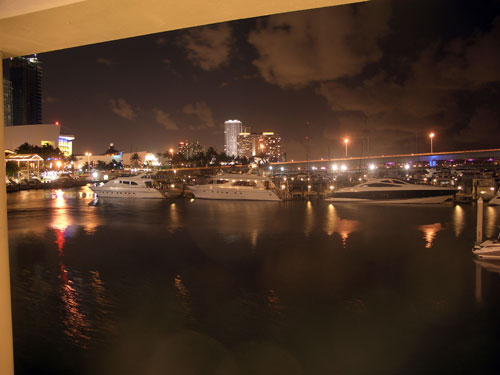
(88, 155)
(346, 141)
(431, 136)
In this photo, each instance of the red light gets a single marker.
(57, 123)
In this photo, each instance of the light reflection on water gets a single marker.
(430, 232)
(335, 224)
(458, 220)
(491, 221)
(126, 277)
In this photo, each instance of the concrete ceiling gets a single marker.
(35, 26)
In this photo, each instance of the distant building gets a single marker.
(7, 103)
(111, 150)
(190, 149)
(266, 144)
(231, 130)
(247, 144)
(26, 77)
(38, 135)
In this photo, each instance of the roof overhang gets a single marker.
(35, 26)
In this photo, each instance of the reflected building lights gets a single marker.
(458, 220)
(174, 223)
(490, 220)
(75, 321)
(430, 232)
(254, 235)
(273, 302)
(334, 224)
(183, 295)
(309, 219)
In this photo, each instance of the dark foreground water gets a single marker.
(210, 287)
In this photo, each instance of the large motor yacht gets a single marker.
(392, 191)
(236, 187)
(140, 186)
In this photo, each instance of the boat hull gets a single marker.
(140, 193)
(424, 200)
(394, 194)
(207, 192)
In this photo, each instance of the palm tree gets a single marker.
(135, 159)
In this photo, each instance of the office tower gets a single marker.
(231, 130)
(7, 102)
(26, 77)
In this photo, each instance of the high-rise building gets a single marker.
(270, 146)
(26, 77)
(266, 144)
(190, 149)
(231, 130)
(247, 144)
(7, 102)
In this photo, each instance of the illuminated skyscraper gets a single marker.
(26, 77)
(231, 130)
(266, 145)
(270, 146)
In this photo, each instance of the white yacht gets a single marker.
(236, 187)
(390, 190)
(489, 249)
(140, 186)
(495, 201)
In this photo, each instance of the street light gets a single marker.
(88, 155)
(431, 136)
(346, 141)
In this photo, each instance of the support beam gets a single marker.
(6, 343)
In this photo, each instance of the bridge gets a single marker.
(488, 155)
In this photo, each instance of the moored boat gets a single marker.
(140, 186)
(389, 190)
(236, 187)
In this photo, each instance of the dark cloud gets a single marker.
(203, 112)
(208, 47)
(429, 99)
(123, 109)
(163, 118)
(105, 61)
(296, 49)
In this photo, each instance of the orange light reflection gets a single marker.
(430, 232)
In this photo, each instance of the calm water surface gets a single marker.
(209, 287)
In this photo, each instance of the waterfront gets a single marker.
(296, 287)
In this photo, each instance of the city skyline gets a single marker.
(384, 74)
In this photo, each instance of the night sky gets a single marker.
(384, 73)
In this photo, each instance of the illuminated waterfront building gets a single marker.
(39, 135)
(26, 77)
(231, 130)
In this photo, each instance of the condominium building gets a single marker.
(7, 102)
(26, 77)
(266, 145)
(231, 130)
